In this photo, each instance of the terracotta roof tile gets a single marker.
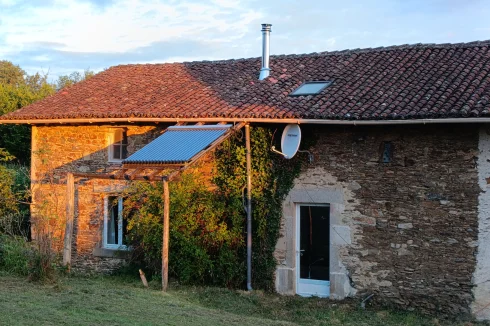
(400, 82)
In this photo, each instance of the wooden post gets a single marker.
(70, 214)
(166, 233)
(249, 207)
(143, 278)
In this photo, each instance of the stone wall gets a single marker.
(405, 231)
(61, 149)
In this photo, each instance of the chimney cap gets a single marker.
(266, 27)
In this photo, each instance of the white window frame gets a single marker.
(111, 143)
(119, 246)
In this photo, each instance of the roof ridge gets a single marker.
(328, 53)
(391, 48)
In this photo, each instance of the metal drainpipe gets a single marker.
(249, 208)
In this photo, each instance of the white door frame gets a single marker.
(307, 287)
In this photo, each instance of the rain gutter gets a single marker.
(246, 120)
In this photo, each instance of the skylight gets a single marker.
(311, 88)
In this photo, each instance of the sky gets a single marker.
(61, 36)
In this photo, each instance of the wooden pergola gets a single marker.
(144, 172)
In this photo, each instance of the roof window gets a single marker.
(311, 88)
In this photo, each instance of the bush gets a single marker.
(14, 195)
(14, 255)
(18, 256)
(200, 237)
(42, 260)
(207, 226)
(8, 199)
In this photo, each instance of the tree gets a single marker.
(18, 89)
(73, 78)
(11, 74)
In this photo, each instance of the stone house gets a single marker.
(394, 202)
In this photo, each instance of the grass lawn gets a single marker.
(116, 301)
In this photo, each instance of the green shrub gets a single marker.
(42, 264)
(8, 199)
(207, 226)
(199, 234)
(18, 256)
(14, 195)
(14, 255)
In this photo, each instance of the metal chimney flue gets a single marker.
(266, 33)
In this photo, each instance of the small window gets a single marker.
(115, 228)
(311, 88)
(387, 152)
(118, 149)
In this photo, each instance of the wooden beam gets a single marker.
(133, 174)
(70, 214)
(111, 176)
(151, 176)
(152, 165)
(166, 234)
(119, 174)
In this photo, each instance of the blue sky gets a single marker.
(61, 36)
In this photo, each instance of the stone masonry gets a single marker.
(61, 149)
(406, 230)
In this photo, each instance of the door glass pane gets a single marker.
(314, 242)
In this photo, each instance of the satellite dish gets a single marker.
(291, 138)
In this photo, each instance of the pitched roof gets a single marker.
(400, 82)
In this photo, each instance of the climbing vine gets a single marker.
(208, 223)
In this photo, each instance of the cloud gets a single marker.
(68, 35)
(60, 62)
(101, 3)
(98, 26)
(83, 27)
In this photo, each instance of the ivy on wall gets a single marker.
(207, 224)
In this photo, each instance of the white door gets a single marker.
(313, 250)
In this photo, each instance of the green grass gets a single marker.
(116, 301)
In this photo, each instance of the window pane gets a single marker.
(387, 152)
(116, 152)
(119, 145)
(311, 88)
(112, 221)
(118, 136)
